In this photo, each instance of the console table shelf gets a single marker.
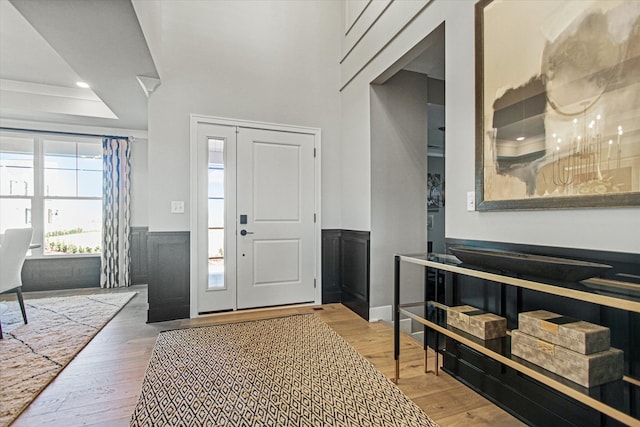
(608, 293)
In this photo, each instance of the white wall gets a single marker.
(398, 29)
(253, 60)
(277, 62)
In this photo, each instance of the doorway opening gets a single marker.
(407, 163)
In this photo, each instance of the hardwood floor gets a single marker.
(100, 386)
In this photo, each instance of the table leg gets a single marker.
(396, 316)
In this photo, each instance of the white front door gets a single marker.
(262, 181)
(276, 212)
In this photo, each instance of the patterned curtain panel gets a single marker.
(116, 213)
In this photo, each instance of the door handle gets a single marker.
(245, 232)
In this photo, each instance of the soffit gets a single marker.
(47, 46)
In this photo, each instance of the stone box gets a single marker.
(588, 370)
(476, 322)
(577, 335)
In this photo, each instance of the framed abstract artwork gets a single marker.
(435, 192)
(557, 104)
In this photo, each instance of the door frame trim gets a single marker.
(196, 119)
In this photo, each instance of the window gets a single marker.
(53, 184)
(216, 213)
(16, 181)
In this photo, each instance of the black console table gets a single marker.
(611, 399)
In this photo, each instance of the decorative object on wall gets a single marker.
(430, 222)
(559, 126)
(116, 217)
(435, 192)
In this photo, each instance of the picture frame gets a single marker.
(557, 104)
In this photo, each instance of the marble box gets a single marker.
(476, 322)
(588, 370)
(577, 335)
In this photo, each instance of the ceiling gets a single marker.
(431, 60)
(47, 46)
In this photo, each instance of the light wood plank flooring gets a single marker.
(100, 387)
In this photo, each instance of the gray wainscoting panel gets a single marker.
(345, 269)
(354, 267)
(168, 275)
(139, 256)
(331, 274)
(54, 273)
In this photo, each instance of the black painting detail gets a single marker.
(435, 192)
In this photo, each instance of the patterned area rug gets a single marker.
(32, 355)
(289, 371)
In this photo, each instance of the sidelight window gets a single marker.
(216, 213)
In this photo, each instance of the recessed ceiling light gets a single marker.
(520, 138)
(82, 85)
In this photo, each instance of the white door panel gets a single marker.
(276, 177)
(276, 258)
(283, 253)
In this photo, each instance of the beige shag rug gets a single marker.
(32, 355)
(289, 371)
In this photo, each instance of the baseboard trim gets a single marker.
(384, 313)
(405, 326)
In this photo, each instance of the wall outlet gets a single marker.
(471, 201)
(177, 206)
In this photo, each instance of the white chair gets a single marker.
(13, 250)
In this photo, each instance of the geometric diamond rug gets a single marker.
(32, 355)
(288, 371)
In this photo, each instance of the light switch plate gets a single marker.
(177, 206)
(471, 201)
